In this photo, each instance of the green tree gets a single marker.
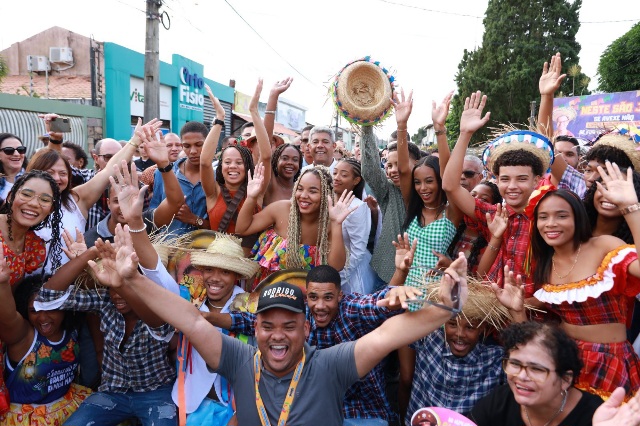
(4, 69)
(619, 67)
(520, 35)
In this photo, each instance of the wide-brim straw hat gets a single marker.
(225, 252)
(275, 140)
(568, 112)
(362, 92)
(525, 140)
(623, 143)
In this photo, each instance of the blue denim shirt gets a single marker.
(196, 200)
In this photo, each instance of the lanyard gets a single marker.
(288, 401)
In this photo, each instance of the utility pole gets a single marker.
(152, 62)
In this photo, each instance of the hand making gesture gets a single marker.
(471, 119)
(405, 251)
(617, 188)
(253, 105)
(512, 294)
(130, 195)
(74, 248)
(498, 224)
(279, 87)
(551, 79)
(5, 272)
(220, 114)
(255, 185)
(439, 114)
(403, 107)
(339, 210)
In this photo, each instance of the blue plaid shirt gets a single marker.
(574, 181)
(140, 363)
(441, 379)
(357, 315)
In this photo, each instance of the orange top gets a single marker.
(218, 211)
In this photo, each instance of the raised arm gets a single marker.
(272, 103)
(176, 311)
(403, 107)
(247, 222)
(405, 250)
(262, 136)
(408, 327)
(470, 121)
(338, 212)
(372, 173)
(13, 327)
(550, 82)
(496, 226)
(439, 117)
(64, 277)
(90, 192)
(208, 153)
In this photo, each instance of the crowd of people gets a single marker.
(333, 287)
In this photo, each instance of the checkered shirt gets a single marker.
(574, 181)
(138, 364)
(357, 315)
(435, 236)
(442, 379)
(515, 243)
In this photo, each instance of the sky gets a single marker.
(421, 41)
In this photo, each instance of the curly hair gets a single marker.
(45, 159)
(294, 231)
(518, 157)
(78, 152)
(414, 208)
(562, 348)
(247, 160)
(622, 231)
(275, 158)
(543, 252)
(480, 242)
(602, 153)
(357, 172)
(53, 219)
(28, 289)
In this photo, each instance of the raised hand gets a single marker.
(339, 210)
(398, 296)
(551, 79)
(617, 188)
(130, 195)
(405, 250)
(498, 224)
(253, 105)
(256, 182)
(281, 86)
(105, 249)
(443, 260)
(614, 412)
(126, 257)
(456, 273)
(154, 126)
(156, 148)
(512, 294)
(216, 103)
(402, 106)
(5, 272)
(47, 125)
(471, 119)
(372, 203)
(439, 114)
(74, 248)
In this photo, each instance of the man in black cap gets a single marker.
(284, 380)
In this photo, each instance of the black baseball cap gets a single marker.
(281, 295)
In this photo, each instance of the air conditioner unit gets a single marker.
(38, 63)
(60, 54)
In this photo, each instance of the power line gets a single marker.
(607, 22)
(267, 43)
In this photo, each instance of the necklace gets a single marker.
(553, 262)
(213, 306)
(564, 401)
(433, 208)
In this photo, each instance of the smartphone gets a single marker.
(61, 125)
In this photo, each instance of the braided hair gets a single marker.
(247, 160)
(53, 219)
(276, 158)
(357, 171)
(294, 230)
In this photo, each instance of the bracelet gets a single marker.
(55, 141)
(137, 231)
(494, 248)
(630, 209)
(441, 132)
(134, 145)
(218, 121)
(401, 130)
(270, 112)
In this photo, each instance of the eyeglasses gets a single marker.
(304, 140)
(470, 173)
(9, 150)
(106, 156)
(45, 200)
(455, 292)
(535, 372)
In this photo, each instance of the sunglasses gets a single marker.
(470, 173)
(10, 150)
(45, 200)
(455, 292)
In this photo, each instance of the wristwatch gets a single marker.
(217, 121)
(55, 141)
(199, 221)
(166, 168)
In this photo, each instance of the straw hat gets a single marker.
(362, 92)
(225, 252)
(570, 113)
(276, 141)
(526, 140)
(624, 143)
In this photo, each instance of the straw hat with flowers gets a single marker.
(513, 140)
(362, 92)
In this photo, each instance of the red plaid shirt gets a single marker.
(515, 243)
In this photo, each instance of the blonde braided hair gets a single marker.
(294, 232)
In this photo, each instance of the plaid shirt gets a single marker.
(574, 181)
(140, 363)
(357, 315)
(515, 243)
(441, 379)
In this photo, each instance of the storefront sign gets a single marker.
(136, 99)
(191, 90)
